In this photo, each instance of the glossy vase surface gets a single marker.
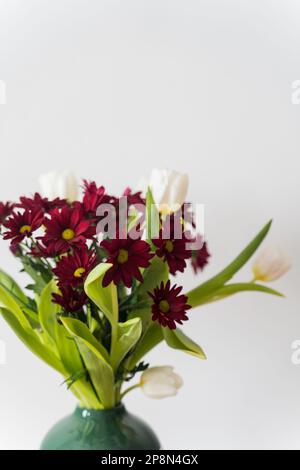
(111, 429)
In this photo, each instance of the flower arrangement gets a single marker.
(99, 303)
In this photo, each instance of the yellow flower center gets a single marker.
(79, 272)
(68, 234)
(169, 246)
(164, 306)
(25, 228)
(122, 256)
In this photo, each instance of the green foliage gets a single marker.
(176, 339)
(208, 289)
(100, 347)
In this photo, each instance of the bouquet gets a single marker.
(103, 291)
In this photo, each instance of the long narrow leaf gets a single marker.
(232, 289)
(195, 296)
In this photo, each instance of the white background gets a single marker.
(111, 89)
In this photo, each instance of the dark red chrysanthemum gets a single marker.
(42, 250)
(23, 225)
(172, 243)
(93, 197)
(127, 257)
(200, 257)
(73, 269)
(65, 229)
(5, 211)
(173, 250)
(168, 306)
(133, 198)
(71, 300)
(37, 202)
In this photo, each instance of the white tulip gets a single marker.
(160, 382)
(59, 184)
(169, 189)
(271, 264)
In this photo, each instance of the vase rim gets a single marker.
(84, 412)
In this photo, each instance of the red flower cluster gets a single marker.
(61, 236)
(168, 306)
(39, 203)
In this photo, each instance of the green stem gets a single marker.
(133, 387)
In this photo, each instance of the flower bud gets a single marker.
(160, 382)
(271, 264)
(169, 189)
(59, 184)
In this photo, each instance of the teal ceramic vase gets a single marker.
(111, 429)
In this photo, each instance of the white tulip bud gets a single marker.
(271, 264)
(169, 189)
(59, 184)
(160, 382)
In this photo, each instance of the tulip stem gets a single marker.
(133, 387)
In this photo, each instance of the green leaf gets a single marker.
(48, 310)
(99, 370)
(152, 217)
(64, 345)
(151, 338)
(12, 287)
(32, 341)
(106, 298)
(128, 335)
(195, 296)
(157, 272)
(176, 339)
(37, 272)
(8, 302)
(78, 329)
(231, 289)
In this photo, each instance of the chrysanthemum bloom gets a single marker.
(37, 202)
(134, 198)
(42, 250)
(173, 251)
(200, 257)
(127, 257)
(5, 211)
(66, 228)
(93, 197)
(73, 269)
(71, 300)
(168, 306)
(21, 226)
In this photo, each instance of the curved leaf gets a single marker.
(152, 338)
(8, 302)
(153, 276)
(232, 289)
(176, 339)
(78, 329)
(128, 335)
(64, 345)
(100, 372)
(32, 341)
(106, 298)
(12, 287)
(195, 296)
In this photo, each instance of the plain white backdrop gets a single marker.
(111, 89)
